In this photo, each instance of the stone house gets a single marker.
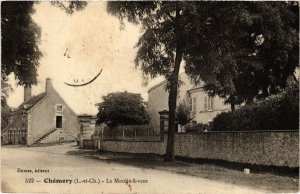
(202, 107)
(43, 118)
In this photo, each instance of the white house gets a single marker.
(202, 107)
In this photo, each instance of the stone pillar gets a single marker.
(164, 123)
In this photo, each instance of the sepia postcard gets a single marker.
(158, 97)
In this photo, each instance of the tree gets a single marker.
(165, 40)
(247, 50)
(5, 109)
(122, 108)
(240, 49)
(20, 39)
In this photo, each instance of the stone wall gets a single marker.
(59, 135)
(277, 148)
(146, 147)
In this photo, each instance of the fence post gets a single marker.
(135, 133)
(123, 134)
(147, 134)
(14, 135)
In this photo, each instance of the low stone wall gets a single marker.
(277, 148)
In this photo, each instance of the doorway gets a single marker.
(59, 122)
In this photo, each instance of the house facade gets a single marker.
(203, 108)
(43, 118)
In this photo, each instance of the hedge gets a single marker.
(196, 127)
(277, 112)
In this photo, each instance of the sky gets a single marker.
(92, 40)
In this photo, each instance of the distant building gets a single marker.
(202, 107)
(43, 118)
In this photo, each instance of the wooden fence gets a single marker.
(14, 136)
(129, 133)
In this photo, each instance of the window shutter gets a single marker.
(209, 103)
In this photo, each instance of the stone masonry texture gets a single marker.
(276, 148)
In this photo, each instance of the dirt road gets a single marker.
(50, 169)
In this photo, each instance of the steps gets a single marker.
(44, 136)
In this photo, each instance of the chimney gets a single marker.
(49, 86)
(27, 92)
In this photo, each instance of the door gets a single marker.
(59, 122)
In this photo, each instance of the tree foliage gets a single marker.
(122, 108)
(5, 109)
(239, 49)
(71, 6)
(21, 37)
(245, 50)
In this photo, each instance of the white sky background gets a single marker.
(94, 41)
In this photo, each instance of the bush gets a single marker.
(277, 112)
(183, 115)
(196, 127)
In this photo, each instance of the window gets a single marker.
(59, 108)
(205, 102)
(194, 104)
(208, 103)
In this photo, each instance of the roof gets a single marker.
(32, 101)
(29, 104)
(85, 116)
(16, 114)
(195, 87)
(157, 85)
(163, 82)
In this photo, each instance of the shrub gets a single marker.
(196, 127)
(277, 112)
(183, 114)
